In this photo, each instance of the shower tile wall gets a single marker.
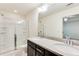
(6, 37)
(8, 28)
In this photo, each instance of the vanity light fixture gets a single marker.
(43, 8)
(65, 19)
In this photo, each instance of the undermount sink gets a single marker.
(67, 49)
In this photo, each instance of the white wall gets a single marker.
(54, 22)
(32, 19)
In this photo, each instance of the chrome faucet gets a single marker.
(68, 40)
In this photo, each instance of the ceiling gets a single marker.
(25, 8)
(56, 7)
(22, 8)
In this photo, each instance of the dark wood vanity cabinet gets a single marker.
(36, 50)
(39, 51)
(30, 49)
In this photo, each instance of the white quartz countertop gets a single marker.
(56, 46)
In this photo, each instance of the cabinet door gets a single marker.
(48, 53)
(39, 54)
(30, 51)
(39, 51)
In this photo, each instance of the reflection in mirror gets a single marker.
(71, 27)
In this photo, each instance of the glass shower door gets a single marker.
(21, 34)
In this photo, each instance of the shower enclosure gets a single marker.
(12, 34)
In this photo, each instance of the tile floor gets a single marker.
(18, 52)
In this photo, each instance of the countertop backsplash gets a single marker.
(74, 42)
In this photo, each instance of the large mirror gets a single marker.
(58, 29)
(61, 24)
(71, 26)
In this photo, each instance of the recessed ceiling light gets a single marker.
(43, 8)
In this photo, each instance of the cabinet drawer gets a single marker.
(31, 44)
(40, 49)
(39, 54)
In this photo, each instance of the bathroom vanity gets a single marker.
(47, 47)
(36, 50)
